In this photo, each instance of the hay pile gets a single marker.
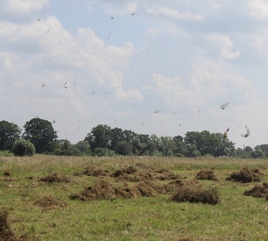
(196, 195)
(54, 178)
(206, 175)
(245, 175)
(259, 190)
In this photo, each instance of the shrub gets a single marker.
(6, 153)
(23, 148)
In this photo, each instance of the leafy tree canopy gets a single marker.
(9, 133)
(41, 133)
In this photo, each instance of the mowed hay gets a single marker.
(196, 195)
(259, 190)
(175, 186)
(5, 231)
(206, 175)
(93, 171)
(245, 175)
(49, 203)
(135, 174)
(6, 234)
(103, 190)
(54, 178)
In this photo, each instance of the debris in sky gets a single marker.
(112, 18)
(54, 121)
(133, 14)
(247, 133)
(223, 106)
(43, 85)
(65, 85)
(38, 20)
(225, 133)
(157, 111)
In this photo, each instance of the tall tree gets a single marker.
(41, 133)
(100, 136)
(9, 133)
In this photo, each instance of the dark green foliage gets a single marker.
(23, 148)
(9, 133)
(124, 148)
(41, 133)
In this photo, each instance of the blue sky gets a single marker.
(153, 67)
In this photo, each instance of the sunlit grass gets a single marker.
(236, 217)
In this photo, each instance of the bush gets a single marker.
(23, 148)
(6, 153)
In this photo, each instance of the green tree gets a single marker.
(116, 136)
(124, 148)
(83, 147)
(9, 133)
(41, 133)
(23, 148)
(100, 136)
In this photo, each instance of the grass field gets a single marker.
(43, 210)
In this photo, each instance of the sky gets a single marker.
(153, 67)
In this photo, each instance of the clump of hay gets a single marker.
(5, 231)
(164, 174)
(93, 171)
(6, 234)
(245, 175)
(103, 190)
(135, 174)
(196, 195)
(54, 178)
(259, 190)
(206, 175)
(174, 186)
(49, 203)
(124, 170)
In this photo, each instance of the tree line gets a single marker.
(39, 136)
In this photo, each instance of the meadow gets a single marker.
(44, 198)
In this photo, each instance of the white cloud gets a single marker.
(225, 44)
(174, 14)
(258, 8)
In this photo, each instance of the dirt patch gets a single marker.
(259, 190)
(49, 203)
(245, 175)
(206, 175)
(54, 178)
(196, 195)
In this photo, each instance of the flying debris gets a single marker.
(223, 106)
(43, 85)
(133, 14)
(247, 133)
(225, 133)
(157, 111)
(54, 121)
(65, 85)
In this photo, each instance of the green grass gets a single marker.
(236, 217)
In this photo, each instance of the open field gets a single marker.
(46, 198)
